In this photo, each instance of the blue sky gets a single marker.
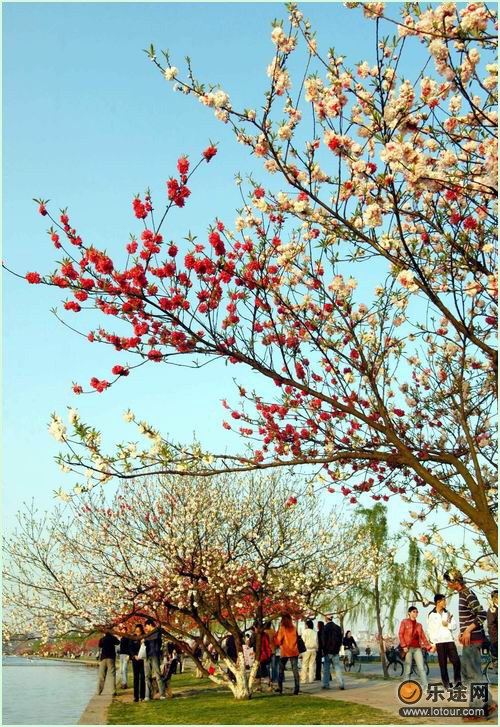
(89, 122)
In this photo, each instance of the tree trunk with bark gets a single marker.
(380, 629)
(242, 688)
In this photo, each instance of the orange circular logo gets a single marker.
(409, 691)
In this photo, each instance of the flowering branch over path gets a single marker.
(392, 395)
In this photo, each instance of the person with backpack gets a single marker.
(411, 640)
(331, 641)
(440, 624)
(287, 640)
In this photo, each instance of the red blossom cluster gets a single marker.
(141, 210)
(177, 192)
(414, 192)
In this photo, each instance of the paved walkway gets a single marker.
(375, 693)
(96, 711)
(366, 690)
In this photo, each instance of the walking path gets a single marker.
(366, 690)
(96, 711)
(376, 693)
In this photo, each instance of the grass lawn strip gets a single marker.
(199, 701)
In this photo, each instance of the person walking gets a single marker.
(440, 624)
(107, 646)
(286, 639)
(152, 640)
(471, 616)
(319, 652)
(124, 657)
(412, 639)
(310, 638)
(492, 621)
(350, 646)
(331, 641)
(137, 652)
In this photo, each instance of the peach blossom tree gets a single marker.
(203, 557)
(369, 167)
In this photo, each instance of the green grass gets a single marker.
(180, 682)
(199, 701)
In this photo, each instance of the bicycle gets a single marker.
(395, 666)
(352, 663)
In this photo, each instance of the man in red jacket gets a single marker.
(412, 639)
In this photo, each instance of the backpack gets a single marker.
(300, 645)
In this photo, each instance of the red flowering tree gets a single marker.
(383, 168)
(165, 551)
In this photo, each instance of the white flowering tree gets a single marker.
(382, 166)
(200, 556)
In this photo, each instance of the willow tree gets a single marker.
(383, 590)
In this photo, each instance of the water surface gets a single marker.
(45, 691)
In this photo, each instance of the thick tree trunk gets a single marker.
(243, 686)
(380, 630)
(241, 689)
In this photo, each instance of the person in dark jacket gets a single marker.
(350, 645)
(232, 652)
(492, 622)
(319, 653)
(107, 646)
(331, 641)
(138, 664)
(152, 661)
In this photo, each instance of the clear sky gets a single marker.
(89, 122)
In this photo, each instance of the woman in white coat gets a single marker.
(440, 624)
(310, 638)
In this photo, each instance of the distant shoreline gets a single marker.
(66, 660)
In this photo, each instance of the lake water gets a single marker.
(44, 691)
